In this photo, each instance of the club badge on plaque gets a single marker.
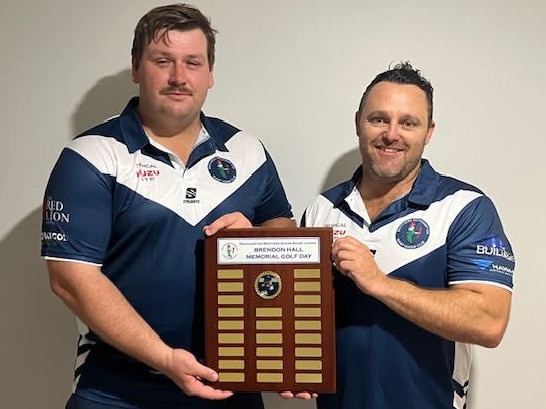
(268, 284)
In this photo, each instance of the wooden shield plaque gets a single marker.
(269, 309)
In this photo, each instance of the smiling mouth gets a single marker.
(389, 150)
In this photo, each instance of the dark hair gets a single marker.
(155, 25)
(402, 73)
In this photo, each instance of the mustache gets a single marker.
(178, 90)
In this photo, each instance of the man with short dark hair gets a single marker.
(423, 268)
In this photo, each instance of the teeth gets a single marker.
(390, 150)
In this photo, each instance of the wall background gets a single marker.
(291, 72)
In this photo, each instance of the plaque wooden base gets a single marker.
(269, 309)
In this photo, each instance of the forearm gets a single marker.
(280, 222)
(102, 307)
(473, 313)
(238, 220)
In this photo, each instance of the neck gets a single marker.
(179, 140)
(378, 194)
(164, 132)
(164, 125)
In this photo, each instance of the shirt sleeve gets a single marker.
(478, 249)
(77, 210)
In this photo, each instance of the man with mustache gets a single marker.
(126, 209)
(423, 268)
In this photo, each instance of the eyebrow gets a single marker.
(376, 112)
(164, 53)
(385, 114)
(196, 56)
(412, 117)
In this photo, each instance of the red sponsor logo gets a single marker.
(147, 173)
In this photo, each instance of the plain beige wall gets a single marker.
(292, 72)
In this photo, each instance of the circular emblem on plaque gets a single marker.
(268, 284)
(229, 250)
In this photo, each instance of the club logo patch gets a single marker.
(268, 284)
(222, 170)
(412, 233)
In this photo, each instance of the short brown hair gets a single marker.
(155, 25)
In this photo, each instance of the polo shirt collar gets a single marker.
(135, 138)
(421, 194)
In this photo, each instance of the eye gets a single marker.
(408, 124)
(194, 64)
(377, 121)
(161, 61)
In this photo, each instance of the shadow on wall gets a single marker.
(342, 169)
(39, 333)
(106, 99)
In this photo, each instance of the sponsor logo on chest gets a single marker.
(147, 172)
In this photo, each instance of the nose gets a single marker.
(178, 74)
(391, 133)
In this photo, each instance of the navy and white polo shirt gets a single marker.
(444, 232)
(117, 201)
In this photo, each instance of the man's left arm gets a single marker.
(473, 313)
(238, 220)
(279, 222)
(475, 307)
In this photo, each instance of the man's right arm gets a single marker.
(104, 309)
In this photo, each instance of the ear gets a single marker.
(357, 123)
(134, 70)
(211, 79)
(430, 131)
